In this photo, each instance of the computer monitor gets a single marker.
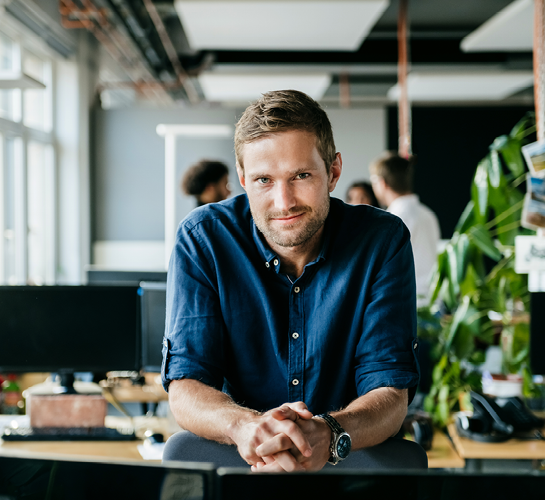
(537, 333)
(67, 329)
(153, 307)
(123, 277)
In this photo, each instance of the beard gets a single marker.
(297, 233)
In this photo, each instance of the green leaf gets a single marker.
(443, 407)
(495, 173)
(467, 219)
(509, 147)
(439, 274)
(459, 316)
(526, 123)
(477, 357)
(471, 281)
(479, 190)
(481, 237)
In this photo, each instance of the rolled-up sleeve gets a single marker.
(192, 346)
(386, 354)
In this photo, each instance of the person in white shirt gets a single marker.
(392, 180)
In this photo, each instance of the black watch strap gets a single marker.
(333, 424)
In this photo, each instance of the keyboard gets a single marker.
(68, 434)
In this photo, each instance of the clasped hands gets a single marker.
(286, 438)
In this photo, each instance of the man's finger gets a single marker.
(276, 444)
(284, 412)
(301, 409)
(286, 461)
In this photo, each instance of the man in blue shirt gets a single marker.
(290, 316)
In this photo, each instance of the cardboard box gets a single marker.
(66, 410)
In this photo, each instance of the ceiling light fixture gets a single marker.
(278, 25)
(464, 86)
(510, 30)
(220, 87)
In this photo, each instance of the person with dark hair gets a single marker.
(290, 318)
(361, 193)
(392, 180)
(207, 181)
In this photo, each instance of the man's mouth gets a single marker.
(290, 219)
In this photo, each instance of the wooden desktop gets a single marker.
(474, 452)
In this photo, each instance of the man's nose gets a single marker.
(284, 197)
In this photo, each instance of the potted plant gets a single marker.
(476, 284)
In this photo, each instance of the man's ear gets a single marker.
(335, 171)
(241, 179)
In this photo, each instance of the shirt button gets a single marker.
(296, 289)
(295, 381)
(275, 262)
(295, 335)
(267, 264)
(415, 345)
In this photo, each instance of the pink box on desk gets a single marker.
(66, 410)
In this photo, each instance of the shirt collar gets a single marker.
(272, 260)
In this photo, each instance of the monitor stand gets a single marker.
(66, 384)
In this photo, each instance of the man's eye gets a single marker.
(263, 180)
(304, 175)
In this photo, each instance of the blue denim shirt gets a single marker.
(346, 326)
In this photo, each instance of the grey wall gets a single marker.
(128, 162)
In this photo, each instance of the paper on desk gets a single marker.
(151, 451)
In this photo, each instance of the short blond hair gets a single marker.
(281, 111)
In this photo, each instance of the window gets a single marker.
(27, 165)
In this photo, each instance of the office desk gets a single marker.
(475, 452)
(442, 455)
(122, 451)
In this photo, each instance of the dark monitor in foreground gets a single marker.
(153, 307)
(537, 333)
(109, 277)
(67, 329)
(68, 479)
(382, 484)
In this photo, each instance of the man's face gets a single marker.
(379, 186)
(288, 186)
(358, 196)
(221, 188)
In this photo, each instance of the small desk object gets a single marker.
(474, 452)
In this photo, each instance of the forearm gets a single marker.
(374, 417)
(205, 411)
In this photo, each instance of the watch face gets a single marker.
(344, 444)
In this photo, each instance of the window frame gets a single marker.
(26, 41)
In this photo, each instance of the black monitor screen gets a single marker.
(153, 308)
(68, 328)
(537, 333)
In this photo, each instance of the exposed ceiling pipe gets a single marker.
(95, 20)
(539, 67)
(181, 74)
(404, 110)
(344, 89)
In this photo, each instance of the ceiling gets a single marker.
(366, 75)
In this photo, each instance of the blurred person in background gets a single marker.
(361, 193)
(207, 181)
(392, 181)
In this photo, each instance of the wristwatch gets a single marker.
(341, 442)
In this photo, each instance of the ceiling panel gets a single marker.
(245, 87)
(464, 86)
(278, 25)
